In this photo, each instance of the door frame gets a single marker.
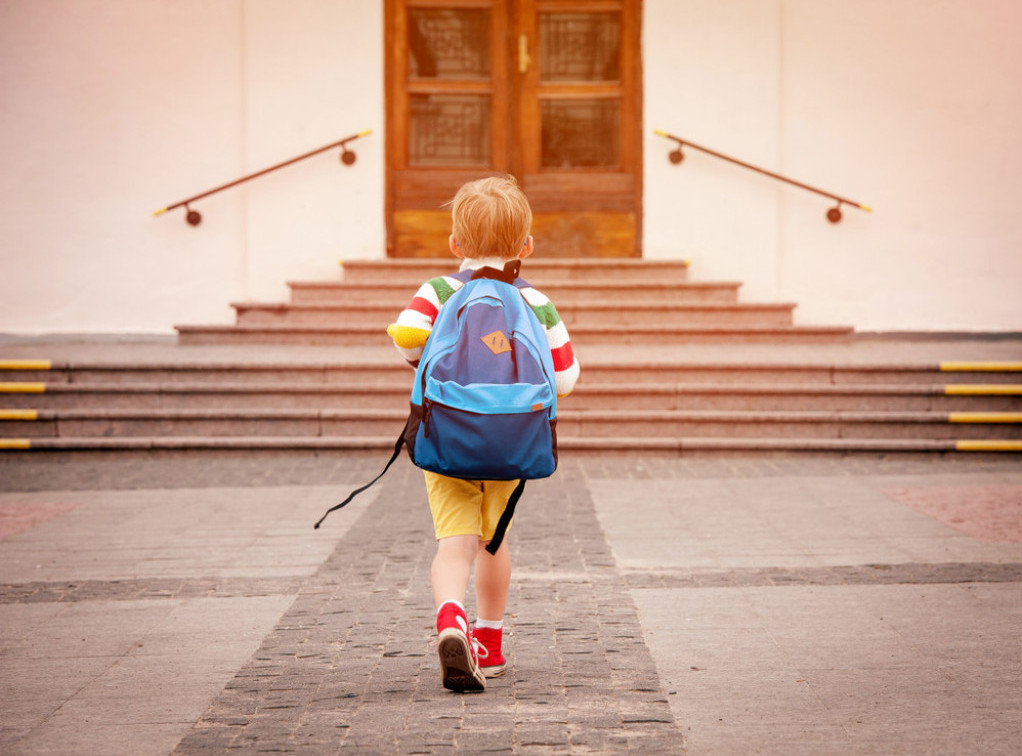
(604, 203)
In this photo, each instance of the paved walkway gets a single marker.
(704, 605)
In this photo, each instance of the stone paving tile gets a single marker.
(73, 471)
(352, 665)
(135, 590)
(15, 518)
(870, 574)
(987, 512)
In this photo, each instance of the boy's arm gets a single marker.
(415, 323)
(566, 367)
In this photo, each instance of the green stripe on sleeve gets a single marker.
(547, 314)
(443, 288)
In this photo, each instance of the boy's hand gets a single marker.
(407, 337)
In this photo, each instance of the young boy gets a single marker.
(491, 224)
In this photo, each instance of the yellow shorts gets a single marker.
(466, 507)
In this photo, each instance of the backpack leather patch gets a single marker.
(497, 342)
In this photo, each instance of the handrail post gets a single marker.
(833, 214)
(194, 217)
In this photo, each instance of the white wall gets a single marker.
(711, 76)
(314, 75)
(110, 109)
(910, 106)
(115, 108)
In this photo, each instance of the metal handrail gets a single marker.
(833, 215)
(194, 218)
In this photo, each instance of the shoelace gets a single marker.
(480, 651)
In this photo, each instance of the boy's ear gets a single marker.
(453, 244)
(527, 249)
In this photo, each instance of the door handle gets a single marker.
(523, 53)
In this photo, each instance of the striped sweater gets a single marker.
(415, 322)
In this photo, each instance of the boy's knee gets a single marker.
(484, 553)
(464, 547)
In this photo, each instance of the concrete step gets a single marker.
(663, 308)
(630, 398)
(386, 367)
(536, 270)
(383, 444)
(581, 335)
(106, 423)
(388, 293)
(594, 316)
(588, 396)
(726, 374)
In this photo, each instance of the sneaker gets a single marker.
(459, 667)
(493, 663)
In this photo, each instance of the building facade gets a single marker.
(113, 109)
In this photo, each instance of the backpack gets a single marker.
(484, 401)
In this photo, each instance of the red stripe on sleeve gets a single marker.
(563, 357)
(424, 306)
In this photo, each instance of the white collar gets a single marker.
(483, 262)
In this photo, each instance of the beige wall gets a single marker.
(114, 108)
(911, 106)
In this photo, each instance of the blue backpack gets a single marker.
(484, 402)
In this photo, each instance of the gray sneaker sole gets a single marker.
(457, 668)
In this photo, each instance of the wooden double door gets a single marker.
(546, 90)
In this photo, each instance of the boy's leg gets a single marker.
(455, 507)
(452, 566)
(493, 572)
(493, 579)
(454, 504)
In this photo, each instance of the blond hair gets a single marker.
(491, 218)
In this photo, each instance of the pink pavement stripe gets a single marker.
(15, 518)
(988, 513)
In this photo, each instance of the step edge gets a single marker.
(680, 307)
(569, 444)
(566, 416)
(279, 329)
(664, 388)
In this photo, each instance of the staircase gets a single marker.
(660, 307)
(669, 371)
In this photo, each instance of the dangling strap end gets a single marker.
(505, 518)
(397, 451)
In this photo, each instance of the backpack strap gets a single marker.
(502, 524)
(507, 275)
(357, 491)
(505, 519)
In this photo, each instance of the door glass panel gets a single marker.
(448, 44)
(449, 130)
(581, 133)
(579, 47)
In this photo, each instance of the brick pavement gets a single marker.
(350, 667)
(112, 471)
